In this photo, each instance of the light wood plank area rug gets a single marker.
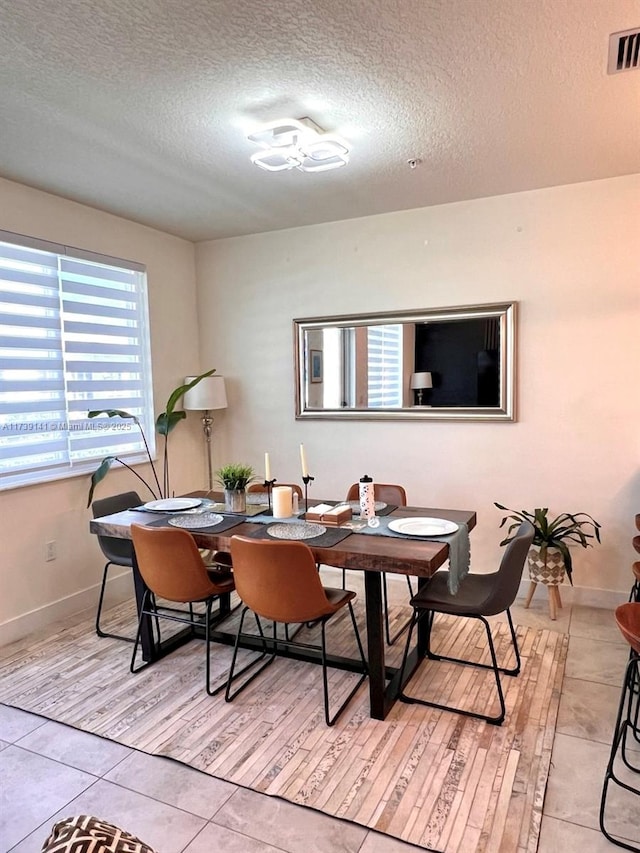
(436, 779)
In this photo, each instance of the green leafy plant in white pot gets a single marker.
(549, 556)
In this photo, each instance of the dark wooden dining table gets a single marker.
(368, 554)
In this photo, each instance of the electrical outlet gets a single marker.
(50, 551)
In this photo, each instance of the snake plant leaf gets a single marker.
(99, 474)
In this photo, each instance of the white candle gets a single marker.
(303, 461)
(267, 467)
(282, 502)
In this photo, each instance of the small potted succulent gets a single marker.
(235, 478)
(549, 556)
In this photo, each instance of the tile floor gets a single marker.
(49, 771)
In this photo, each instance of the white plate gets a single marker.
(192, 522)
(423, 526)
(172, 504)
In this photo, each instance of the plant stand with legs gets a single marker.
(550, 572)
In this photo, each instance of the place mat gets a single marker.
(458, 543)
(267, 518)
(225, 524)
(331, 537)
(249, 512)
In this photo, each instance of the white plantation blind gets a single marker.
(73, 337)
(384, 357)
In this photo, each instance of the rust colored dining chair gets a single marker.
(480, 596)
(117, 551)
(172, 569)
(390, 494)
(627, 618)
(278, 581)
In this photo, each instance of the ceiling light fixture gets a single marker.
(297, 144)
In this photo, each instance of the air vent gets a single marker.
(623, 51)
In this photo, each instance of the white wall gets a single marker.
(568, 255)
(34, 591)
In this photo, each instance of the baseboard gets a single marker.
(119, 588)
(586, 596)
(583, 595)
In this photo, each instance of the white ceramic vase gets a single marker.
(235, 500)
(549, 571)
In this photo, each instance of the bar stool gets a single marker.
(634, 595)
(628, 620)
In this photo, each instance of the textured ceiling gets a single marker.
(140, 107)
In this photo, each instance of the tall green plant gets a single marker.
(166, 422)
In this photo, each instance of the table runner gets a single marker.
(458, 543)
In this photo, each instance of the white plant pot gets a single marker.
(235, 500)
(549, 571)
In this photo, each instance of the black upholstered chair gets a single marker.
(479, 596)
(119, 552)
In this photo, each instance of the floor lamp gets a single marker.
(207, 395)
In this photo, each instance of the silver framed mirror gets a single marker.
(438, 364)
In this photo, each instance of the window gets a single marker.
(73, 337)
(384, 357)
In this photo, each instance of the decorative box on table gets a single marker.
(331, 516)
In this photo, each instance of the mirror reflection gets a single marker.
(447, 363)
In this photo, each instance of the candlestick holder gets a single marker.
(306, 480)
(268, 484)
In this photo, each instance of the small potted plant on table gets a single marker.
(235, 478)
(549, 557)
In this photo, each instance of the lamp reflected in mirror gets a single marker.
(419, 383)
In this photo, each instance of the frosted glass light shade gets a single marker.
(298, 144)
(421, 380)
(209, 393)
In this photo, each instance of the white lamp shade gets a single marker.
(208, 394)
(421, 380)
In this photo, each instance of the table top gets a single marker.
(369, 553)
